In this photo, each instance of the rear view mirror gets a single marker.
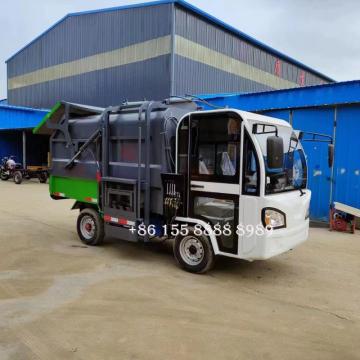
(331, 155)
(275, 152)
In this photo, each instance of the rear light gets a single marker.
(118, 221)
(98, 176)
(90, 200)
(59, 194)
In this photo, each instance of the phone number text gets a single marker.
(175, 230)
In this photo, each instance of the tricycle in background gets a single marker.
(9, 168)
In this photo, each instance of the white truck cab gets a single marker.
(246, 171)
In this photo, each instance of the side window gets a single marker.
(215, 148)
(251, 172)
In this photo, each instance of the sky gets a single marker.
(323, 34)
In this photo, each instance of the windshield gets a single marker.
(293, 174)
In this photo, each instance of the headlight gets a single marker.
(273, 218)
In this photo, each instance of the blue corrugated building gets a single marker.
(151, 50)
(332, 109)
(16, 138)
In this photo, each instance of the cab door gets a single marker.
(213, 168)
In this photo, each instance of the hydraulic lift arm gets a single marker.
(93, 138)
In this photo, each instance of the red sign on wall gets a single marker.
(277, 69)
(302, 78)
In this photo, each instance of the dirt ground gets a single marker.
(62, 300)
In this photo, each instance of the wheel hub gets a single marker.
(87, 227)
(192, 250)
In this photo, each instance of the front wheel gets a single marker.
(194, 253)
(90, 227)
(4, 176)
(18, 178)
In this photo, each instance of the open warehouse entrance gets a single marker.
(16, 137)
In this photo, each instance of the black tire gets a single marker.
(4, 177)
(18, 178)
(43, 178)
(200, 258)
(94, 234)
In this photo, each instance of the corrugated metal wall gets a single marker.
(330, 109)
(102, 58)
(319, 120)
(280, 114)
(346, 181)
(80, 58)
(347, 160)
(147, 79)
(226, 63)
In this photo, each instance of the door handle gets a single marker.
(197, 186)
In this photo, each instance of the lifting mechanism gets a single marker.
(128, 190)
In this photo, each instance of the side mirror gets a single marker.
(331, 155)
(275, 152)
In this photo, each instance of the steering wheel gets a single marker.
(274, 180)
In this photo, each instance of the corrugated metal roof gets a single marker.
(347, 92)
(197, 11)
(17, 117)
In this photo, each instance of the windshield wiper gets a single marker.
(302, 192)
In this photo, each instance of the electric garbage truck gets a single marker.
(219, 182)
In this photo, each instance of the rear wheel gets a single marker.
(90, 227)
(43, 178)
(194, 253)
(18, 177)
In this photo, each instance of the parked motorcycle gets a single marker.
(10, 168)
